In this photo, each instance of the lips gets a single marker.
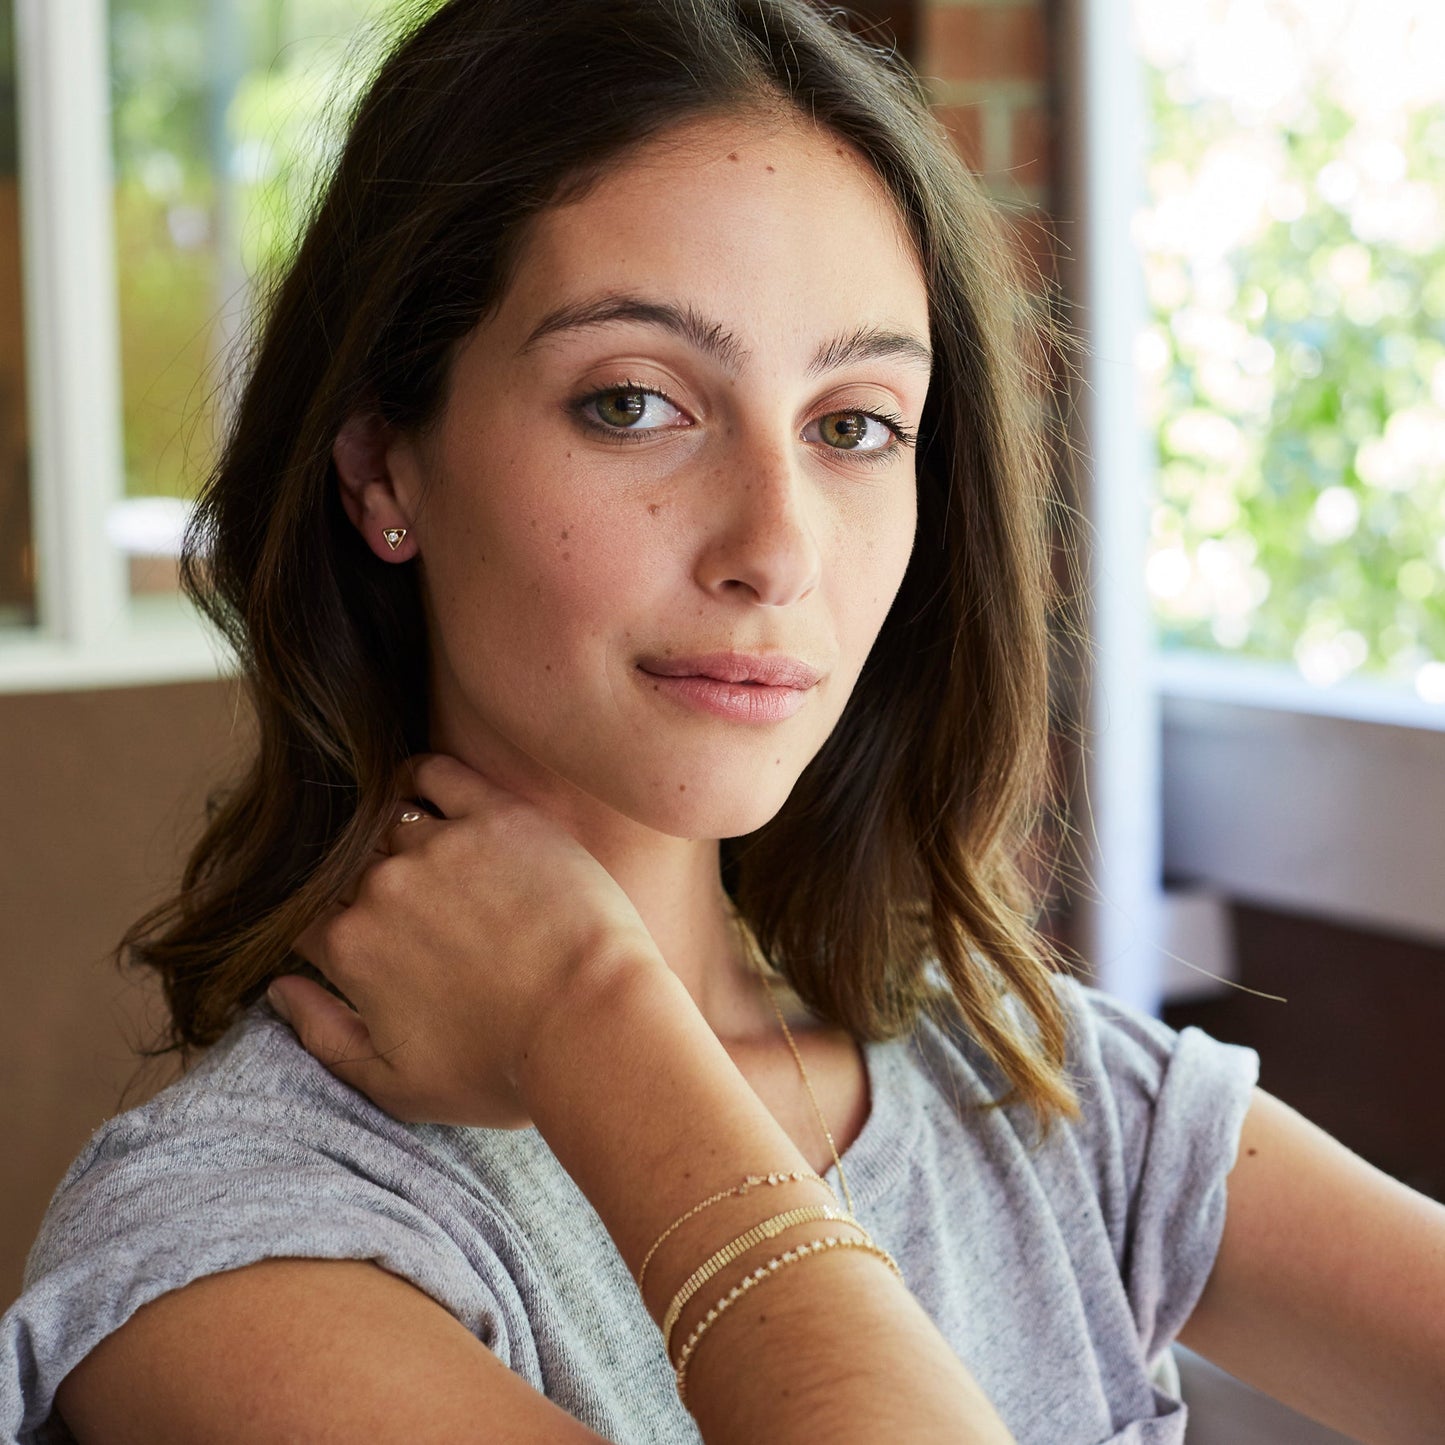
(765, 670)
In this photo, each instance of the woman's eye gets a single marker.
(862, 431)
(632, 412)
(850, 431)
(626, 409)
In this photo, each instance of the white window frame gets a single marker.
(1262, 800)
(90, 632)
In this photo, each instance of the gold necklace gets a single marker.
(755, 952)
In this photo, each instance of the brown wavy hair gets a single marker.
(891, 880)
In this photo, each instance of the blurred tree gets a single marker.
(1294, 245)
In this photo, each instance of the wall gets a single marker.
(989, 66)
(103, 791)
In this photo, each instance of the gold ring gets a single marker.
(412, 815)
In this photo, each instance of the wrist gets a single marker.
(594, 999)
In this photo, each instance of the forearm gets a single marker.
(644, 1108)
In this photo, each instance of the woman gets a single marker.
(630, 533)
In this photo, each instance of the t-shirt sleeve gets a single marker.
(1163, 1111)
(207, 1181)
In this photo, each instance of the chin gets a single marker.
(715, 810)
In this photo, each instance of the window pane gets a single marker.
(1294, 370)
(222, 112)
(17, 554)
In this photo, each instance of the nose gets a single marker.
(761, 541)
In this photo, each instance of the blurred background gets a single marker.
(1239, 208)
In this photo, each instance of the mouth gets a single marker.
(766, 670)
(735, 686)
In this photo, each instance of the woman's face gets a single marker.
(667, 443)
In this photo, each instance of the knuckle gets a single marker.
(340, 935)
(387, 881)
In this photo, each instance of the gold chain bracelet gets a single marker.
(744, 1242)
(739, 1190)
(762, 1272)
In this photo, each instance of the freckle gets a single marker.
(547, 667)
(566, 556)
(733, 156)
(534, 524)
(564, 534)
(682, 787)
(653, 508)
(771, 169)
(1254, 1151)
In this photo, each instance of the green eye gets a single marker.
(622, 408)
(845, 430)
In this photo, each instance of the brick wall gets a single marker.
(988, 65)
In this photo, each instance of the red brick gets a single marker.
(984, 42)
(1035, 243)
(1032, 128)
(965, 124)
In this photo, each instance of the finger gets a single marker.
(449, 783)
(310, 943)
(329, 1030)
(410, 824)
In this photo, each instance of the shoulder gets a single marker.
(258, 1152)
(1155, 1103)
(256, 1099)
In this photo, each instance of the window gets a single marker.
(1293, 239)
(1301, 769)
(17, 553)
(167, 151)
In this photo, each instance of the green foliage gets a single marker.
(1297, 386)
(225, 113)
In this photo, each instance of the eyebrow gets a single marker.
(866, 343)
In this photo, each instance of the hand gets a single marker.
(460, 936)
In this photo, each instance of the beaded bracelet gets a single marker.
(739, 1190)
(744, 1242)
(762, 1272)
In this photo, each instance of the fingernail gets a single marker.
(277, 1000)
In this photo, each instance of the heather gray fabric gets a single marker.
(1060, 1275)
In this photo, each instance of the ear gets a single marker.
(377, 473)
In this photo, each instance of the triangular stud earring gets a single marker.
(393, 536)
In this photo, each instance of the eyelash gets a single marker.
(625, 436)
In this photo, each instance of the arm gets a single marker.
(329, 1351)
(831, 1348)
(1328, 1291)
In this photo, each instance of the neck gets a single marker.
(674, 883)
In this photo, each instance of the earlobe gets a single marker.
(362, 455)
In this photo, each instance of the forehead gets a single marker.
(773, 222)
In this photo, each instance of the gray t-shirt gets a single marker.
(1060, 1275)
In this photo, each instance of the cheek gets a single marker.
(555, 579)
(874, 560)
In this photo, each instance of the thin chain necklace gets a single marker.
(755, 952)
